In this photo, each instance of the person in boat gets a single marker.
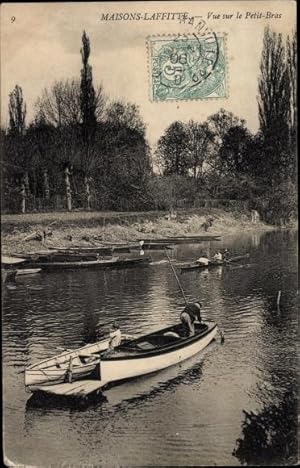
(226, 254)
(203, 260)
(115, 337)
(218, 256)
(189, 315)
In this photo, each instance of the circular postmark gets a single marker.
(187, 66)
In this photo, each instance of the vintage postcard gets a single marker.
(149, 233)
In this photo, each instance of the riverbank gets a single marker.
(91, 228)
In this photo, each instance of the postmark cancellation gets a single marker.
(187, 67)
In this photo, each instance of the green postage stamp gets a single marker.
(187, 67)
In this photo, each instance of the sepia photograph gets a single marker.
(149, 233)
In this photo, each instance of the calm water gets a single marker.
(186, 415)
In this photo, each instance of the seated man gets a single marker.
(218, 256)
(189, 315)
(116, 337)
(226, 254)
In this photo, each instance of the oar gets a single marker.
(177, 279)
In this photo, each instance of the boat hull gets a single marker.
(47, 373)
(117, 369)
(101, 264)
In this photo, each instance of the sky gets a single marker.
(40, 43)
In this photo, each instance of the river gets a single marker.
(191, 414)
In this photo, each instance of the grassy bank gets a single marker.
(85, 227)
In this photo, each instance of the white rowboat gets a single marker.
(56, 370)
(154, 352)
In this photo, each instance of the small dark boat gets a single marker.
(213, 263)
(114, 262)
(7, 275)
(185, 239)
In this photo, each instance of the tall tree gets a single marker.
(291, 48)
(274, 105)
(87, 94)
(17, 111)
(88, 107)
(16, 133)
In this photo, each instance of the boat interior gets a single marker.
(85, 356)
(160, 339)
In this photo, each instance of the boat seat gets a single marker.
(146, 345)
(172, 334)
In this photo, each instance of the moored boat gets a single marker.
(7, 260)
(114, 262)
(28, 271)
(7, 275)
(144, 355)
(56, 370)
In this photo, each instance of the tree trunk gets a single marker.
(26, 183)
(87, 192)
(46, 185)
(23, 195)
(68, 189)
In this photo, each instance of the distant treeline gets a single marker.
(83, 151)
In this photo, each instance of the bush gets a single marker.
(172, 191)
(280, 205)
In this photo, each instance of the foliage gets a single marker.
(170, 191)
(199, 143)
(104, 146)
(280, 204)
(219, 124)
(119, 114)
(276, 105)
(270, 437)
(172, 150)
(17, 112)
(87, 94)
(234, 149)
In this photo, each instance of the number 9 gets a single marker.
(12, 19)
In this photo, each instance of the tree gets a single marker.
(87, 94)
(219, 124)
(16, 134)
(125, 166)
(172, 149)
(234, 149)
(274, 105)
(291, 47)
(121, 114)
(60, 105)
(17, 112)
(199, 142)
